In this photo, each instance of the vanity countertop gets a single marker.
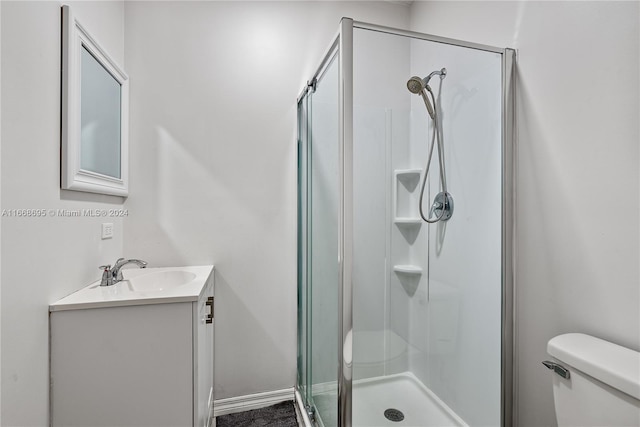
(141, 286)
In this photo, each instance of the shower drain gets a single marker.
(394, 415)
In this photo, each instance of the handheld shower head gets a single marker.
(417, 86)
(427, 103)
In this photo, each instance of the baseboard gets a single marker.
(251, 401)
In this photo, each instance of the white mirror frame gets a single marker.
(74, 37)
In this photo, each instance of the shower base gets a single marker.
(404, 393)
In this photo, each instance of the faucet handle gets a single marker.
(107, 278)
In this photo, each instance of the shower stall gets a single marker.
(405, 218)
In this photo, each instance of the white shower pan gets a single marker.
(403, 392)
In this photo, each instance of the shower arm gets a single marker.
(442, 73)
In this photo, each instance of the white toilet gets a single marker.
(595, 382)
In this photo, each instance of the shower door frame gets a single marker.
(343, 44)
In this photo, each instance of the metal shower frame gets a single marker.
(342, 45)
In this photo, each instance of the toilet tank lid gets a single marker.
(617, 366)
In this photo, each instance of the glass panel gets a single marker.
(323, 244)
(465, 281)
(100, 118)
(427, 297)
(381, 121)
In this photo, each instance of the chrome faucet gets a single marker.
(111, 276)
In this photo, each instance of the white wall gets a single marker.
(43, 259)
(213, 159)
(578, 164)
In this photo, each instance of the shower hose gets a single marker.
(436, 136)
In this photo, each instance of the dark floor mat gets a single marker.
(280, 415)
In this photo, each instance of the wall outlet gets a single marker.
(107, 230)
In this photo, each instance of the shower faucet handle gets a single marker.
(436, 206)
(442, 207)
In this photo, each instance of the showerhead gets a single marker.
(419, 86)
(415, 85)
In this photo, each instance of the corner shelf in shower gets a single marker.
(408, 177)
(405, 203)
(408, 269)
(407, 221)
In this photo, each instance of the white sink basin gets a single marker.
(155, 281)
(141, 286)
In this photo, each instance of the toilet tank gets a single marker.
(603, 388)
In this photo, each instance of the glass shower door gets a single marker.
(318, 246)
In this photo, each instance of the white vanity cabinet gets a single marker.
(144, 359)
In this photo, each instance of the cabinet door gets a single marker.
(203, 354)
(122, 366)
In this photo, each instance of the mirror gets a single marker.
(95, 112)
(100, 108)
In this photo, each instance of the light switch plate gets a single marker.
(107, 230)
